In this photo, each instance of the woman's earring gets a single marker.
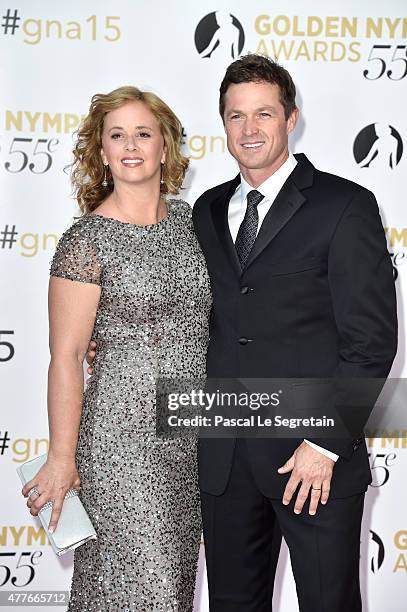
(162, 172)
(105, 183)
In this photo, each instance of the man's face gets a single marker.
(256, 128)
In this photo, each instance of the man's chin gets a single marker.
(251, 164)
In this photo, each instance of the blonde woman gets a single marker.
(131, 275)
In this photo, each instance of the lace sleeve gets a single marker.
(76, 257)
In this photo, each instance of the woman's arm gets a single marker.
(72, 312)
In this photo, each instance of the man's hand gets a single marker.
(90, 356)
(314, 471)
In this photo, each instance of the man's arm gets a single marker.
(364, 303)
(361, 282)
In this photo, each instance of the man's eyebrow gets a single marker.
(260, 108)
(267, 107)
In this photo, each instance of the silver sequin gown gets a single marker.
(140, 491)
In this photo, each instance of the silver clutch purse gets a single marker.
(74, 526)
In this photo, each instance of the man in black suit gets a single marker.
(303, 287)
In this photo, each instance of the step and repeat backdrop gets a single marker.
(349, 62)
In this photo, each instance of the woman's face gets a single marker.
(132, 144)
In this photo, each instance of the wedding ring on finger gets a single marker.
(319, 489)
(32, 491)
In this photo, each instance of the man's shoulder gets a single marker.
(307, 175)
(335, 184)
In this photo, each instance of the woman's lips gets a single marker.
(132, 161)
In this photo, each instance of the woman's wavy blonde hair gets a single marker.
(87, 169)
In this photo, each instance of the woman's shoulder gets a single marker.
(81, 227)
(76, 255)
(180, 207)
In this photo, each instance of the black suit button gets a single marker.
(244, 290)
(243, 341)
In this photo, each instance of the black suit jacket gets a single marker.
(316, 299)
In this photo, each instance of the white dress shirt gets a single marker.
(237, 210)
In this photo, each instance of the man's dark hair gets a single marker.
(254, 68)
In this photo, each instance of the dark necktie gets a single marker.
(248, 228)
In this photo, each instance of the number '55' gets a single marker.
(23, 150)
(380, 63)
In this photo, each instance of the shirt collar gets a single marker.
(271, 186)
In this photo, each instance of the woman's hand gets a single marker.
(52, 482)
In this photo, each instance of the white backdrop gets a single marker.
(349, 62)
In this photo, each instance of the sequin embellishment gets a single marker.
(141, 492)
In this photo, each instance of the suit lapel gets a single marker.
(219, 208)
(288, 201)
